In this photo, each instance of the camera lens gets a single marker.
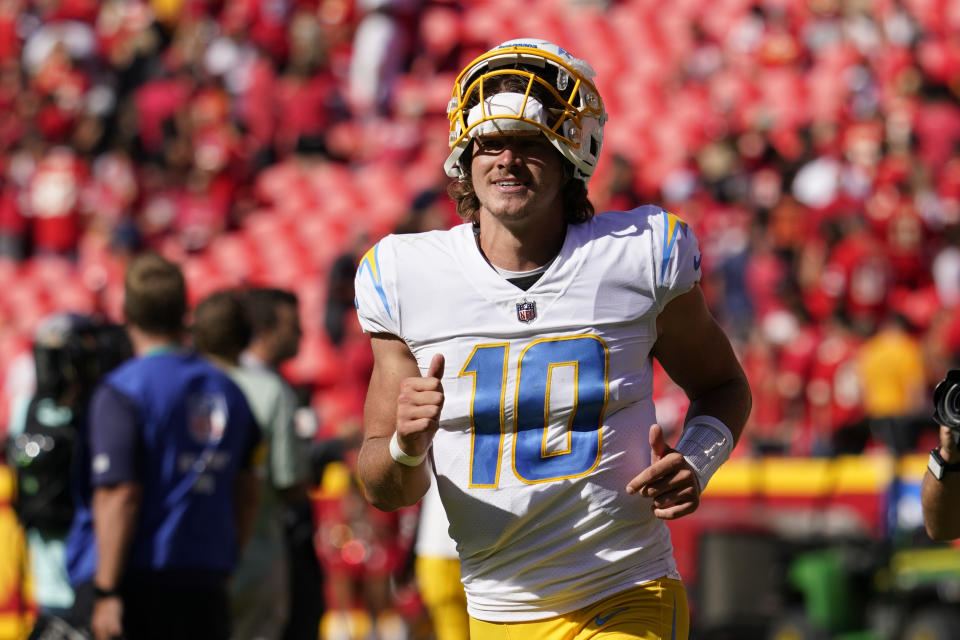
(951, 405)
(946, 401)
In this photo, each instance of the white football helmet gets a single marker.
(574, 124)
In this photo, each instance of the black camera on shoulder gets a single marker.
(946, 401)
(72, 352)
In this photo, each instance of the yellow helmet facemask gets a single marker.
(572, 122)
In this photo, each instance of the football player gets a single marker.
(513, 367)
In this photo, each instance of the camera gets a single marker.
(75, 349)
(946, 401)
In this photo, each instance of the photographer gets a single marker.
(71, 353)
(941, 482)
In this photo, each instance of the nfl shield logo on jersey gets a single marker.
(207, 417)
(526, 311)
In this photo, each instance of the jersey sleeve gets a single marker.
(375, 287)
(115, 438)
(678, 257)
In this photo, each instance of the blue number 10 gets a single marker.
(532, 462)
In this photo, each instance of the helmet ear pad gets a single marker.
(591, 140)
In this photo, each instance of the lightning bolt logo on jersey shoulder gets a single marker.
(369, 264)
(672, 228)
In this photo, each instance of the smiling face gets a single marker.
(517, 177)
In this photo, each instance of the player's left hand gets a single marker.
(669, 480)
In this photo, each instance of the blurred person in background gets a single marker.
(17, 605)
(834, 392)
(339, 305)
(71, 353)
(275, 318)
(260, 589)
(365, 554)
(360, 584)
(437, 570)
(172, 493)
(53, 202)
(894, 381)
(381, 46)
(13, 224)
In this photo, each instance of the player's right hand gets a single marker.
(418, 408)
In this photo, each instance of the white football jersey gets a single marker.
(548, 402)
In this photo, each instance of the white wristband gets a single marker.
(706, 443)
(403, 458)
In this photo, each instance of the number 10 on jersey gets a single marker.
(532, 461)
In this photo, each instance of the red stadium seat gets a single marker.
(49, 270)
(481, 24)
(323, 240)
(73, 295)
(204, 276)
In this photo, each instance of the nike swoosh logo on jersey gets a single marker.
(696, 262)
(602, 620)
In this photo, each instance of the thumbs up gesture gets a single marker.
(418, 408)
(669, 480)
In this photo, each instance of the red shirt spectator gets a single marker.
(856, 279)
(157, 101)
(948, 187)
(765, 427)
(256, 106)
(11, 89)
(10, 42)
(833, 389)
(937, 125)
(80, 10)
(907, 246)
(53, 202)
(122, 31)
(108, 196)
(265, 22)
(794, 363)
(59, 78)
(203, 209)
(304, 106)
(765, 275)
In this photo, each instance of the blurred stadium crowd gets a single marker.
(814, 145)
